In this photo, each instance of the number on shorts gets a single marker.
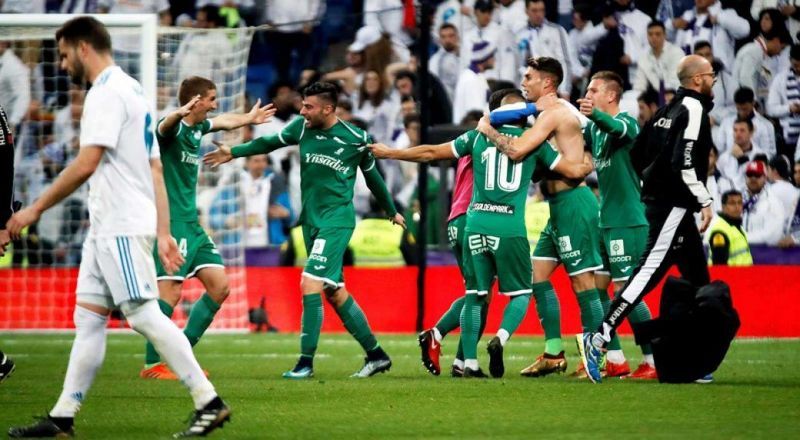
(497, 171)
(182, 246)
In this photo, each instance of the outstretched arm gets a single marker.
(168, 124)
(230, 121)
(422, 153)
(517, 148)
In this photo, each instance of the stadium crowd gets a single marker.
(479, 46)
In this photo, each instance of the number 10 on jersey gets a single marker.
(496, 164)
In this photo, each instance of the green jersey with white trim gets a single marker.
(500, 185)
(612, 139)
(329, 162)
(180, 156)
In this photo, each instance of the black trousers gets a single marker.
(673, 239)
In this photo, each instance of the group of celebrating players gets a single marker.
(141, 212)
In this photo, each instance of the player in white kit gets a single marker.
(128, 207)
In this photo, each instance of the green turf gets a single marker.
(756, 394)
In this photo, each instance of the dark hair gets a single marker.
(87, 29)
(273, 90)
(497, 97)
(649, 96)
(782, 165)
(744, 121)
(794, 52)
(528, 2)
(359, 123)
(613, 79)
(377, 99)
(483, 6)
(212, 15)
(714, 149)
(761, 157)
(327, 91)
(728, 194)
(410, 118)
(778, 32)
(448, 26)
(401, 74)
(346, 105)
(548, 65)
(701, 44)
(472, 117)
(657, 23)
(193, 86)
(744, 95)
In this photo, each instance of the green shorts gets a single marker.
(456, 236)
(507, 258)
(197, 248)
(572, 235)
(621, 249)
(325, 248)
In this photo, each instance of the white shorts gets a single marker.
(117, 269)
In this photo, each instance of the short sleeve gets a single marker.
(206, 126)
(293, 131)
(164, 138)
(548, 155)
(462, 145)
(103, 117)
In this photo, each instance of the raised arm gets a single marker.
(617, 128)
(517, 148)
(290, 135)
(421, 153)
(231, 121)
(170, 122)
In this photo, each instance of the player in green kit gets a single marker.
(331, 151)
(623, 226)
(496, 237)
(179, 134)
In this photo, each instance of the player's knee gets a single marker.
(141, 315)
(170, 291)
(584, 281)
(336, 297)
(89, 320)
(219, 292)
(309, 285)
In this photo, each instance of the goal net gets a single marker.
(39, 274)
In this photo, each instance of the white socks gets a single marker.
(437, 335)
(172, 345)
(472, 364)
(615, 356)
(458, 363)
(85, 359)
(503, 335)
(649, 359)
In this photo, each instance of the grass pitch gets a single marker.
(756, 393)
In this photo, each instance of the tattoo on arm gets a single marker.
(503, 143)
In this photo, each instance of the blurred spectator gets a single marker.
(233, 11)
(754, 68)
(780, 183)
(658, 67)
(716, 182)
(764, 134)
(126, 47)
(708, 21)
(541, 38)
(344, 110)
(454, 12)
(377, 242)
(382, 52)
(472, 90)
(668, 10)
(732, 163)
(727, 241)
(266, 204)
(511, 14)
(351, 76)
(23, 6)
(205, 54)
(784, 98)
(405, 84)
(78, 6)
(724, 87)
(584, 37)
(797, 173)
(15, 85)
(631, 23)
(648, 106)
(486, 29)
(763, 215)
(446, 63)
(373, 105)
(386, 15)
(294, 22)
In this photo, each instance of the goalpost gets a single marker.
(38, 275)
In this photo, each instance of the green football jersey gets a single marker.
(329, 162)
(611, 140)
(500, 185)
(180, 155)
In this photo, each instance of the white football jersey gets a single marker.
(117, 117)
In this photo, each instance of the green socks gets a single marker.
(591, 309)
(470, 324)
(484, 314)
(310, 324)
(449, 321)
(200, 318)
(549, 311)
(606, 303)
(641, 313)
(150, 354)
(513, 315)
(356, 323)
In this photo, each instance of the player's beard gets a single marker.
(77, 74)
